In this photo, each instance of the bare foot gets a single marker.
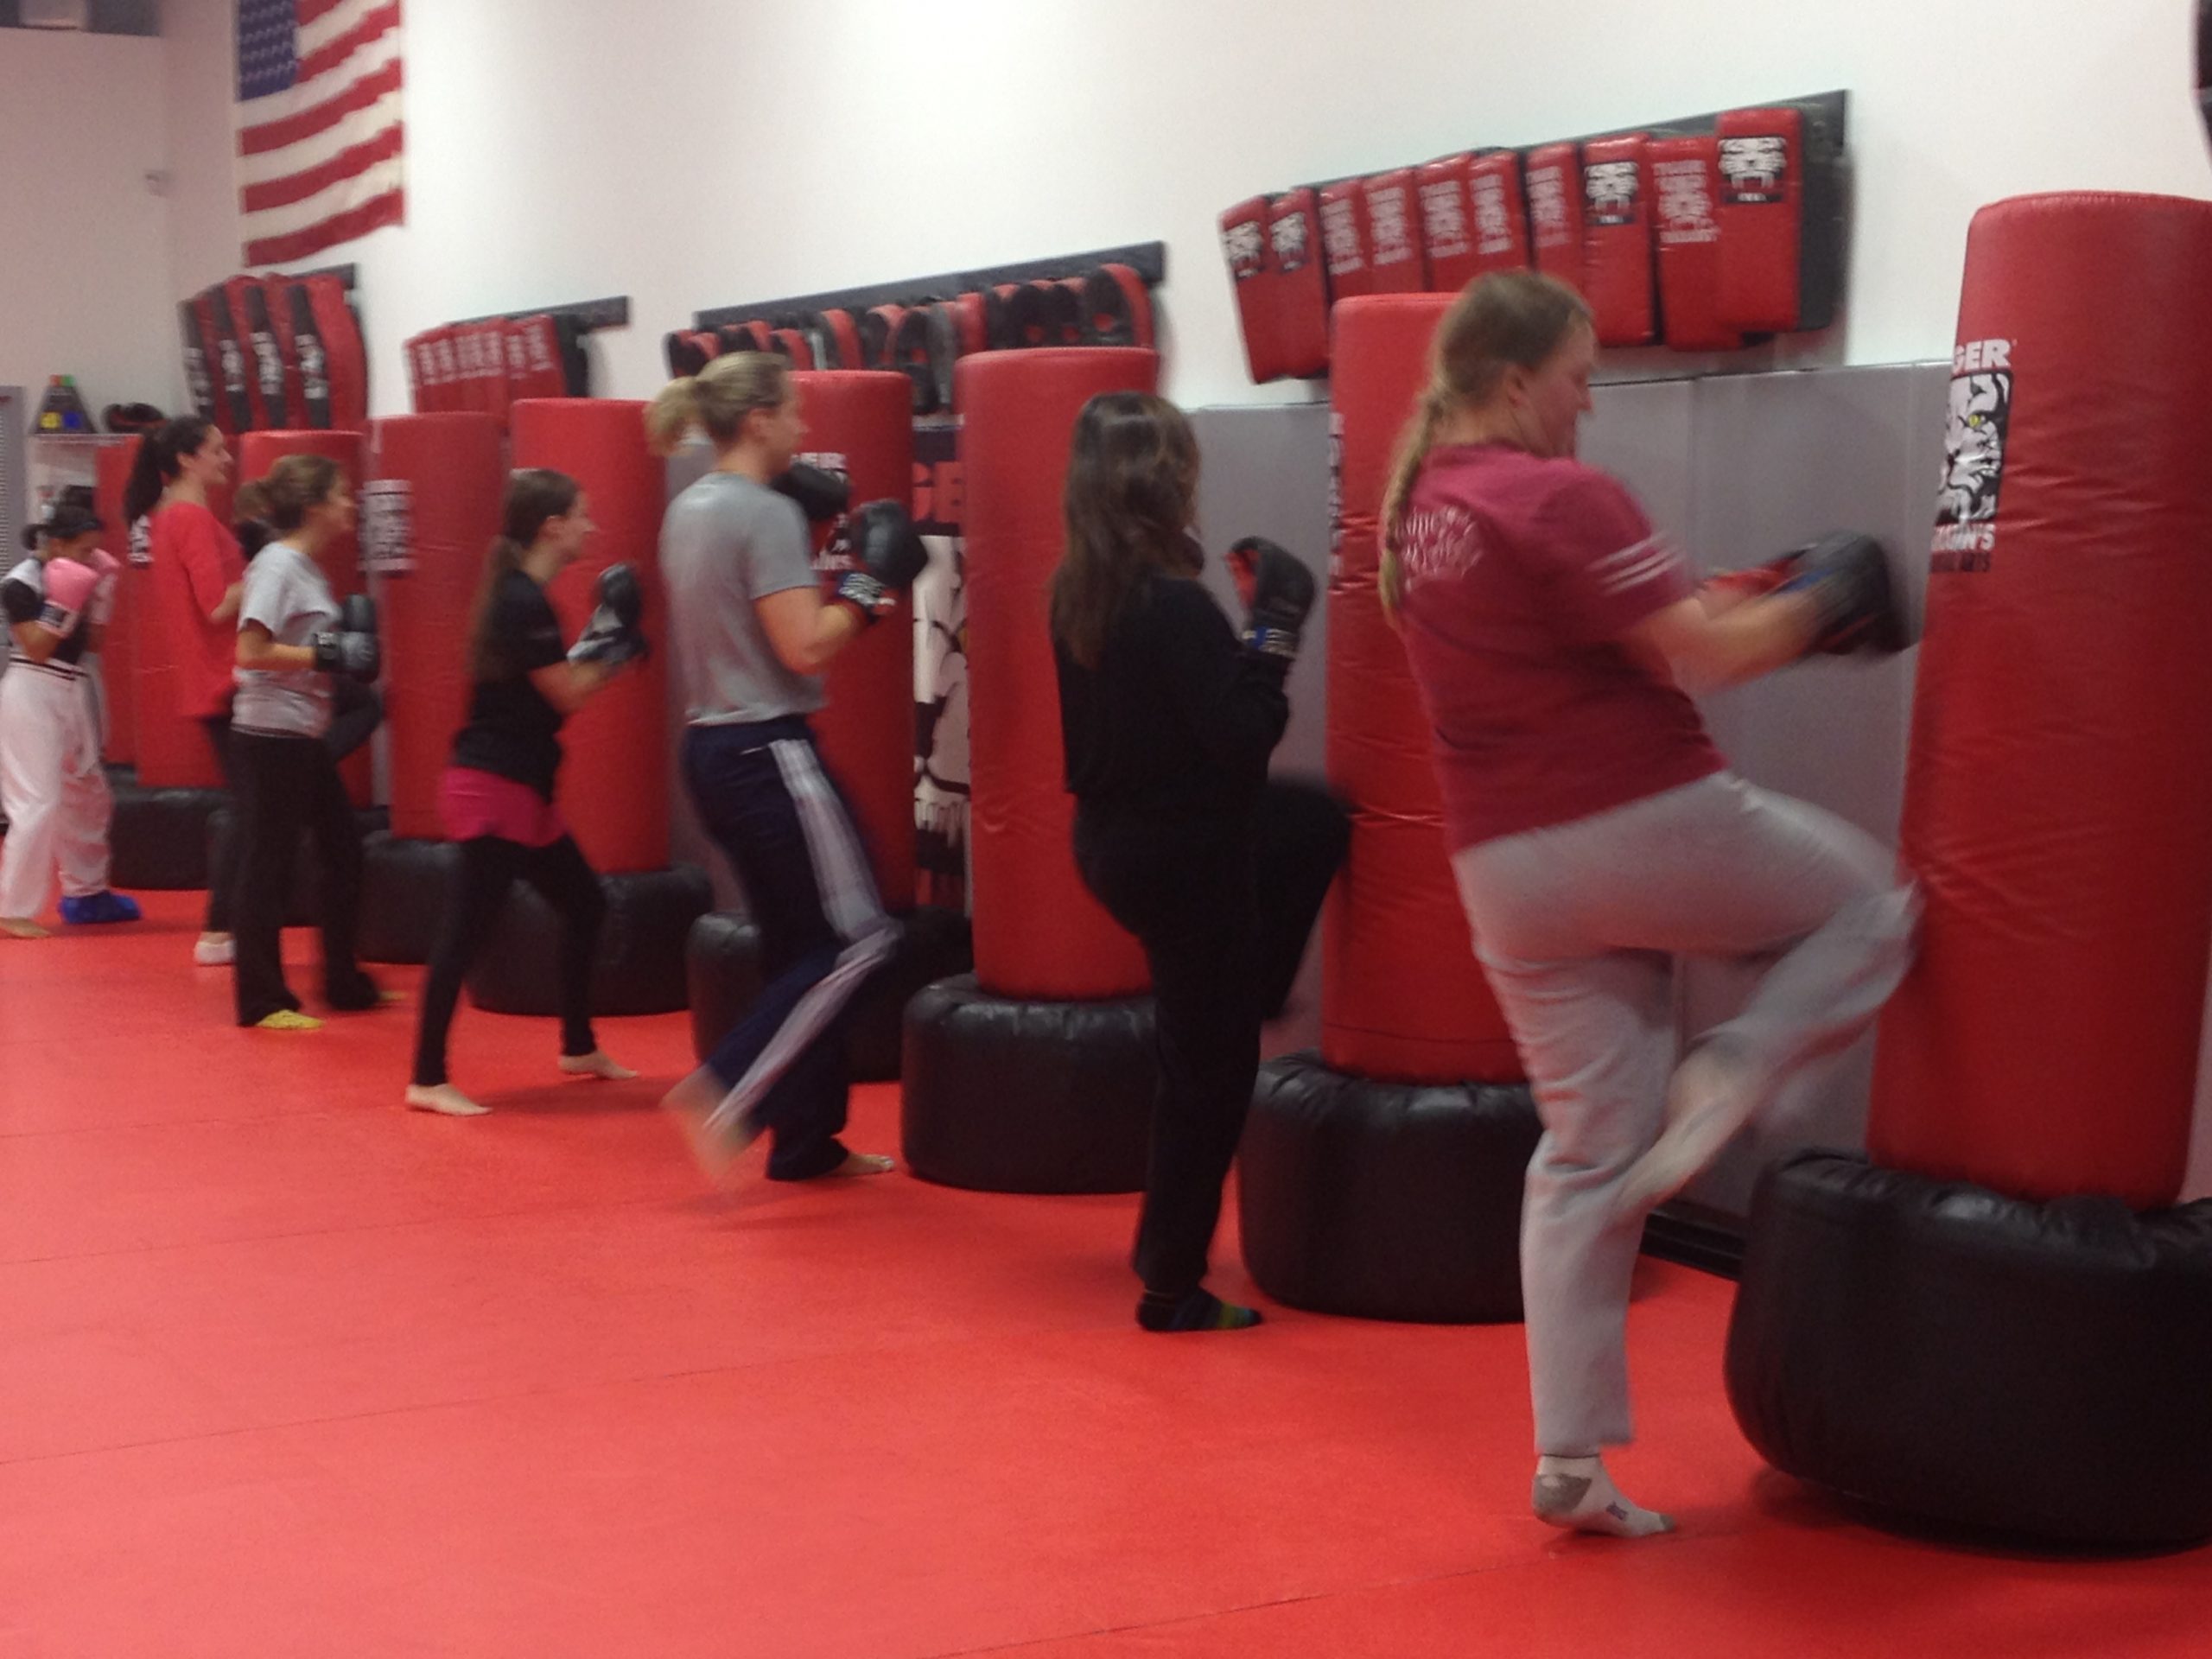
(214, 950)
(865, 1163)
(717, 1137)
(22, 927)
(595, 1065)
(444, 1099)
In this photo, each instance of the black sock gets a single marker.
(1197, 1310)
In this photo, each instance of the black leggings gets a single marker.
(488, 867)
(287, 784)
(357, 711)
(1223, 912)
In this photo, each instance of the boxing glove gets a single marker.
(69, 589)
(352, 648)
(1685, 171)
(109, 569)
(1616, 240)
(887, 555)
(1847, 576)
(1553, 178)
(615, 633)
(821, 494)
(1283, 592)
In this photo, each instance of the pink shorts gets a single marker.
(473, 804)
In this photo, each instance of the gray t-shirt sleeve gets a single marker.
(779, 555)
(287, 596)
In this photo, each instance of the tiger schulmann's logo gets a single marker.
(1973, 456)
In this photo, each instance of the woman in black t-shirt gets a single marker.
(496, 799)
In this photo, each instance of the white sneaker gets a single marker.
(214, 953)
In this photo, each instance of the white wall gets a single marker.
(83, 243)
(699, 152)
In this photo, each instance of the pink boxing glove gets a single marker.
(69, 588)
(110, 571)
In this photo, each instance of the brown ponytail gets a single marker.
(1509, 319)
(160, 459)
(534, 494)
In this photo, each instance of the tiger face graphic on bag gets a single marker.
(1973, 456)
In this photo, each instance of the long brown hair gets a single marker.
(534, 494)
(717, 399)
(1133, 479)
(1509, 319)
(159, 460)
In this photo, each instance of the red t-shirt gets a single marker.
(1523, 575)
(195, 560)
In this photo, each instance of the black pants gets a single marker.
(223, 879)
(286, 784)
(764, 795)
(1224, 910)
(487, 869)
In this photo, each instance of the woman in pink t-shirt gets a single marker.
(1595, 832)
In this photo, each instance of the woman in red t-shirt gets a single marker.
(1595, 832)
(198, 577)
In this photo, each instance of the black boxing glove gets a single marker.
(1283, 592)
(887, 555)
(615, 635)
(352, 648)
(821, 494)
(1847, 576)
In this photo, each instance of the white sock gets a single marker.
(1577, 1493)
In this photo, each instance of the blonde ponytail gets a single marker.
(717, 400)
(671, 415)
(1506, 320)
(1415, 442)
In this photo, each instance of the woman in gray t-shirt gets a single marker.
(293, 635)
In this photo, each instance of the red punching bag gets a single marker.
(1402, 997)
(2058, 802)
(430, 509)
(1039, 932)
(861, 423)
(341, 563)
(119, 648)
(614, 779)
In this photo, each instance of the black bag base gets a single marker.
(158, 839)
(1002, 1095)
(639, 968)
(405, 885)
(723, 967)
(1384, 1200)
(1977, 1366)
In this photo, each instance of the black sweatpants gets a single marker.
(1224, 909)
(488, 867)
(285, 785)
(764, 795)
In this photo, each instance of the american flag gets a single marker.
(319, 136)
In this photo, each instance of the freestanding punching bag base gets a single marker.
(639, 968)
(157, 840)
(1384, 1200)
(1006, 1095)
(724, 969)
(405, 885)
(2035, 1369)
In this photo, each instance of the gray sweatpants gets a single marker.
(1576, 926)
